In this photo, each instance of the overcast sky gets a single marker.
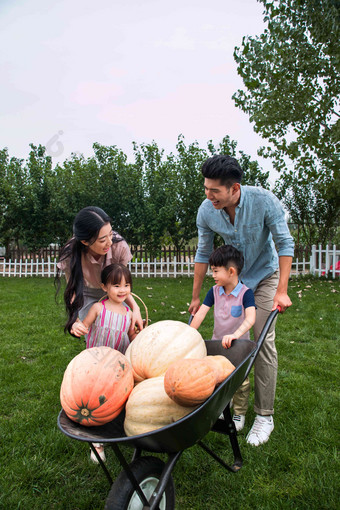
(116, 71)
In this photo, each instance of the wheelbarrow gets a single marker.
(146, 481)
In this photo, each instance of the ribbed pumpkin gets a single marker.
(149, 408)
(160, 344)
(96, 385)
(221, 365)
(189, 382)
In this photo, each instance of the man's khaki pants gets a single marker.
(265, 366)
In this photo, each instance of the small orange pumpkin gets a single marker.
(96, 385)
(221, 365)
(189, 382)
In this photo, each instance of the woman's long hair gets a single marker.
(86, 227)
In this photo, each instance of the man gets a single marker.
(251, 219)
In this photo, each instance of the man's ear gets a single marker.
(236, 187)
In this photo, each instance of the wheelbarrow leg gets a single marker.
(108, 476)
(238, 461)
(226, 426)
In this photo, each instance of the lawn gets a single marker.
(297, 469)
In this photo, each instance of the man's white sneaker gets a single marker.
(239, 420)
(262, 428)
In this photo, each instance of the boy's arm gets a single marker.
(249, 321)
(199, 316)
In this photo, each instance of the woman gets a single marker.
(94, 245)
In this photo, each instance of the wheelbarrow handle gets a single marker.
(271, 318)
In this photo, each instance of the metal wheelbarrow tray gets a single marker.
(146, 481)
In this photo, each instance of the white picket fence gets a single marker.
(323, 261)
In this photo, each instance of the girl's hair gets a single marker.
(86, 227)
(114, 273)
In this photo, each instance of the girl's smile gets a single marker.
(118, 292)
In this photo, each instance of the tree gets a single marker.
(311, 208)
(159, 193)
(121, 191)
(12, 192)
(291, 75)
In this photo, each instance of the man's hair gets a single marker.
(226, 256)
(224, 168)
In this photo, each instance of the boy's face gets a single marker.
(223, 276)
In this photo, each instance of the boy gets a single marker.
(234, 312)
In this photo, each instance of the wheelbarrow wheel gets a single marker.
(147, 471)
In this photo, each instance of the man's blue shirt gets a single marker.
(259, 222)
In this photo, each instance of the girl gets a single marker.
(109, 321)
(93, 246)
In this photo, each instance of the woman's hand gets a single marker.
(78, 329)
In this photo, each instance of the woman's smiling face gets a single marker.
(103, 242)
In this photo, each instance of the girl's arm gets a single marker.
(80, 328)
(136, 315)
(249, 321)
(132, 331)
(199, 316)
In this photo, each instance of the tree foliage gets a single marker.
(291, 73)
(151, 201)
(292, 89)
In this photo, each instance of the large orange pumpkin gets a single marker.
(96, 385)
(161, 343)
(189, 382)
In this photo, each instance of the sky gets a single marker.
(117, 71)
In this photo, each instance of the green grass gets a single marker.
(298, 468)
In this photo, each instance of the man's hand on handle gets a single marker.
(282, 300)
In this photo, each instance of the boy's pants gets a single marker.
(265, 366)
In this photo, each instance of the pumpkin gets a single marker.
(189, 382)
(162, 343)
(221, 365)
(149, 408)
(96, 385)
